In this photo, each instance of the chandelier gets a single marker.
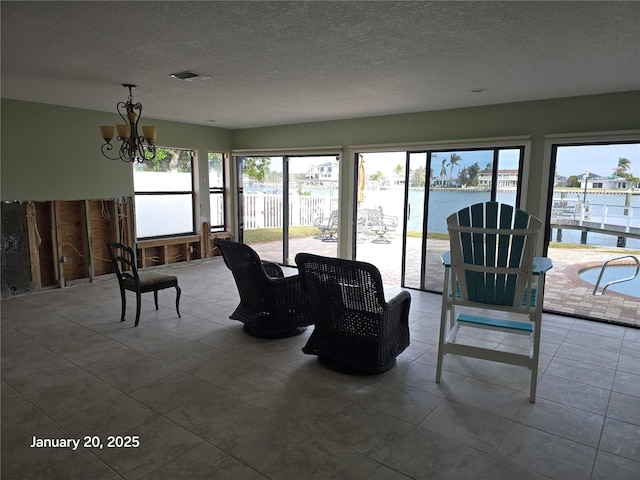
(134, 147)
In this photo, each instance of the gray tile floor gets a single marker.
(207, 401)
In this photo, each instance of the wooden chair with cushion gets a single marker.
(129, 278)
(493, 282)
(356, 330)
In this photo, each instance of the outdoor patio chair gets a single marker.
(356, 330)
(271, 305)
(129, 278)
(492, 282)
(329, 229)
(380, 225)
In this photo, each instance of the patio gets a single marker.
(565, 291)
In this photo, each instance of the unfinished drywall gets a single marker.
(15, 249)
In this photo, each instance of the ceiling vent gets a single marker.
(190, 76)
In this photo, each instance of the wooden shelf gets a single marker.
(165, 251)
(215, 251)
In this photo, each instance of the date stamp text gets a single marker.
(88, 441)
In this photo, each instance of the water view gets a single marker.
(445, 202)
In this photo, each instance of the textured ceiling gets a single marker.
(289, 62)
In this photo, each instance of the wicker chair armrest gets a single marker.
(396, 313)
(283, 283)
(398, 300)
(273, 269)
(288, 291)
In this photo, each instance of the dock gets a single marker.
(622, 221)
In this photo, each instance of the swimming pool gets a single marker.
(614, 272)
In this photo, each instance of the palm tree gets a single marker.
(623, 168)
(453, 162)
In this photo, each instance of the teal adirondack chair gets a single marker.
(493, 281)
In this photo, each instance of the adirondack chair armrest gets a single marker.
(541, 265)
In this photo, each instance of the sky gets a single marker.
(571, 160)
(598, 159)
(386, 162)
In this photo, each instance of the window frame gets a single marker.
(191, 193)
(217, 191)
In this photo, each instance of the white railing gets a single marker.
(266, 211)
(618, 215)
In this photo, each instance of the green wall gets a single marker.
(616, 111)
(53, 153)
(593, 113)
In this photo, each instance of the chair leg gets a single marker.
(155, 298)
(123, 301)
(443, 322)
(534, 384)
(138, 302)
(178, 292)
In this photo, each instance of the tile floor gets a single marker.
(207, 401)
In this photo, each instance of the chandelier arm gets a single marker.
(107, 147)
(119, 107)
(126, 152)
(147, 149)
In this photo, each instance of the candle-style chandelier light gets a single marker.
(134, 147)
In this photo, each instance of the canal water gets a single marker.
(443, 203)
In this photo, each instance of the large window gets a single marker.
(593, 229)
(403, 199)
(164, 195)
(216, 191)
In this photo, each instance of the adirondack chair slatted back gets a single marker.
(492, 283)
(492, 247)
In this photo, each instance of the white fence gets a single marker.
(267, 211)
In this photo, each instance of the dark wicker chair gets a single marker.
(271, 305)
(129, 278)
(356, 330)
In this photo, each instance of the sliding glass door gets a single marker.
(420, 190)
(380, 212)
(261, 199)
(460, 178)
(286, 203)
(313, 206)
(593, 220)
